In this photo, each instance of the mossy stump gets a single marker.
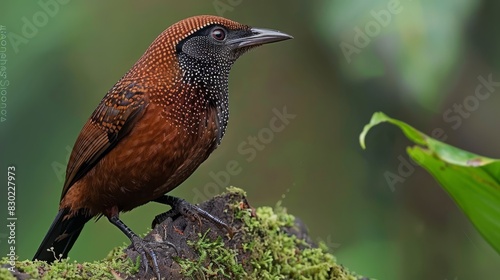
(267, 244)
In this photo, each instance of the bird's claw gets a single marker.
(160, 240)
(182, 207)
(196, 212)
(142, 248)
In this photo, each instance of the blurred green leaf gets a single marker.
(470, 179)
(415, 45)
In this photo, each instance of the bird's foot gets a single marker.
(182, 207)
(143, 248)
(159, 240)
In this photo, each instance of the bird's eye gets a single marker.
(219, 34)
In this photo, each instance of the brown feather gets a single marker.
(113, 119)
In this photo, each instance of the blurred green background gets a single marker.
(418, 61)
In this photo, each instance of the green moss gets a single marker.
(116, 261)
(5, 273)
(267, 252)
(236, 190)
(277, 255)
(215, 260)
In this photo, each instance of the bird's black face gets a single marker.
(218, 44)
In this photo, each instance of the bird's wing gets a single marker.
(115, 116)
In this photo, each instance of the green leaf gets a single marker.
(473, 181)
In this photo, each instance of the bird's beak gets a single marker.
(259, 36)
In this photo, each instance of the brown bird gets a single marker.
(152, 129)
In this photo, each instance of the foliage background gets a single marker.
(421, 63)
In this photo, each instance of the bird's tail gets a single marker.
(61, 236)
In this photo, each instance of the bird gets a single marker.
(152, 130)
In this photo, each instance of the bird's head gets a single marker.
(221, 40)
(205, 42)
